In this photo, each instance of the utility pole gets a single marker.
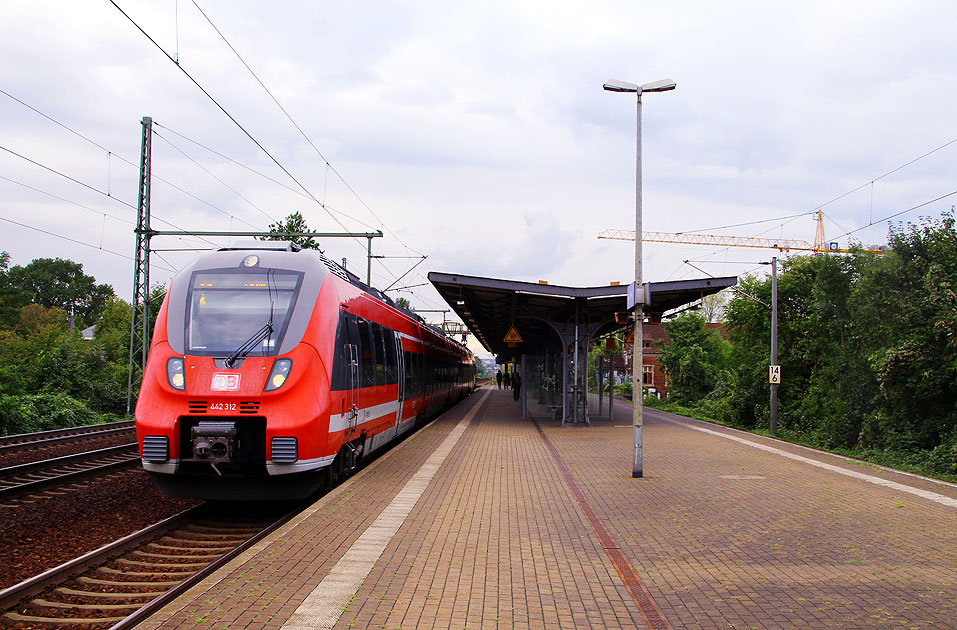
(433, 310)
(140, 316)
(774, 346)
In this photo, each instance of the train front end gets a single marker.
(235, 397)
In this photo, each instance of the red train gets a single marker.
(273, 370)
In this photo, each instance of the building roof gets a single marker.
(490, 307)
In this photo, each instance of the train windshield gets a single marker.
(228, 306)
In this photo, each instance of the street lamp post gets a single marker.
(637, 388)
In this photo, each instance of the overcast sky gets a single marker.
(475, 133)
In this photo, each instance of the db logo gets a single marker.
(225, 382)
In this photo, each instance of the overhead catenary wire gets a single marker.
(876, 179)
(65, 200)
(329, 166)
(110, 154)
(226, 112)
(897, 214)
(65, 176)
(85, 185)
(734, 225)
(841, 196)
(55, 121)
(242, 128)
(78, 242)
(154, 175)
(256, 172)
(208, 172)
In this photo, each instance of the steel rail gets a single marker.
(59, 480)
(14, 474)
(53, 436)
(174, 592)
(46, 464)
(32, 586)
(79, 437)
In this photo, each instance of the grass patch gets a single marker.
(912, 462)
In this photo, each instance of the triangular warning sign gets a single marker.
(631, 336)
(513, 336)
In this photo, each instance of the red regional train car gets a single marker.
(272, 371)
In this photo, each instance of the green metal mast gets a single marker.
(140, 316)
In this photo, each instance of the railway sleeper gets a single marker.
(176, 556)
(147, 576)
(223, 529)
(60, 621)
(72, 592)
(160, 565)
(189, 548)
(175, 537)
(45, 603)
(83, 579)
(113, 583)
(208, 537)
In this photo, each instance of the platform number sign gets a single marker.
(774, 374)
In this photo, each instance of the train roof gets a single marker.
(332, 267)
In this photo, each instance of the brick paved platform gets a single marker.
(485, 520)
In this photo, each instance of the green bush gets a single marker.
(943, 459)
(28, 413)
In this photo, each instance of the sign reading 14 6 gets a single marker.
(774, 374)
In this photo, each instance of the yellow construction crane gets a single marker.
(820, 244)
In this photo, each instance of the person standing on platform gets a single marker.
(516, 385)
(498, 378)
(508, 379)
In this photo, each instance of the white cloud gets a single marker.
(478, 133)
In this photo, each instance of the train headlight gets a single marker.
(175, 373)
(279, 374)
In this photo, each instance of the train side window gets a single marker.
(427, 377)
(366, 353)
(419, 374)
(381, 358)
(423, 374)
(416, 370)
(391, 357)
(341, 358)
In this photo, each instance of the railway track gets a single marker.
(30, 441)
(118, 585)
(59, 471)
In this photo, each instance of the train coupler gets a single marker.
(214, 442)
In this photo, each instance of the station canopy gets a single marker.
(544, 315)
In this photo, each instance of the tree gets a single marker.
(916, 363)
(113, 330)
(712, 306)
(867, 346)
(59, 283)
(294, 222)
(693, 358)
(12, 297)
(403, 303)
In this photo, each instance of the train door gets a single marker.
(400, 375)
(352, 397)
(351, 349)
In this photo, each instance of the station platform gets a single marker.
(485, 520)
